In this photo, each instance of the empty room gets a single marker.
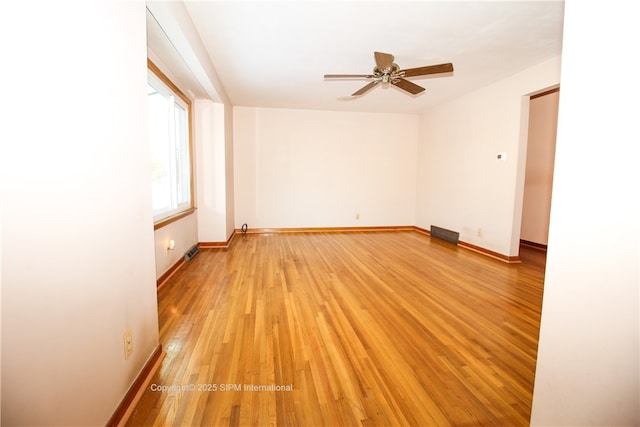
(315, 213)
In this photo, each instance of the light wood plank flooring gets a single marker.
(367, 329)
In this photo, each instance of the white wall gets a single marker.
(587, 371)
(299, 168)
(77, 230)
(229, 169)
(461, 186)
(211, 169)
(541, 149)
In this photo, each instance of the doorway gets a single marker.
(541, 148)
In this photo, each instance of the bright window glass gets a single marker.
(170, 156)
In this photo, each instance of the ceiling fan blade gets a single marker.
(348, 76)
(383, 60)
(366, 88)
(408, 86)
(429, 69)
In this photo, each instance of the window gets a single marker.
(170, 142)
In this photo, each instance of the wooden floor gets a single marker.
(342, 329)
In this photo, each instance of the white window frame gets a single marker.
(176, 209)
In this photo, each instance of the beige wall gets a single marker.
(541, 148)
(77, 228)
(211, 171)
(588, 356)
(299, 168)
(461, 185)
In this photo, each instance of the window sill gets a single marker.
(173, 218)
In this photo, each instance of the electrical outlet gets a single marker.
(357, 216)
(128, 343)
(479, 232)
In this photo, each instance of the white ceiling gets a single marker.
(274, 54)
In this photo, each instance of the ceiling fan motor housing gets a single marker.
(388, 74)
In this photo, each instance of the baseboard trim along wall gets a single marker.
(218, 245)
(201, 245)
(422, 230)
(325, 229)
(533, 245)
(481, 250)
(167, 274)
(128, 404)
(226, 245)
(489, 253)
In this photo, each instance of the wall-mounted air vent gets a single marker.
(444, 234)
(188, 256)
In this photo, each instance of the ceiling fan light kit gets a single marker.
(388, 72)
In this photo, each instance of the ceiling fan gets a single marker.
(386, 71)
